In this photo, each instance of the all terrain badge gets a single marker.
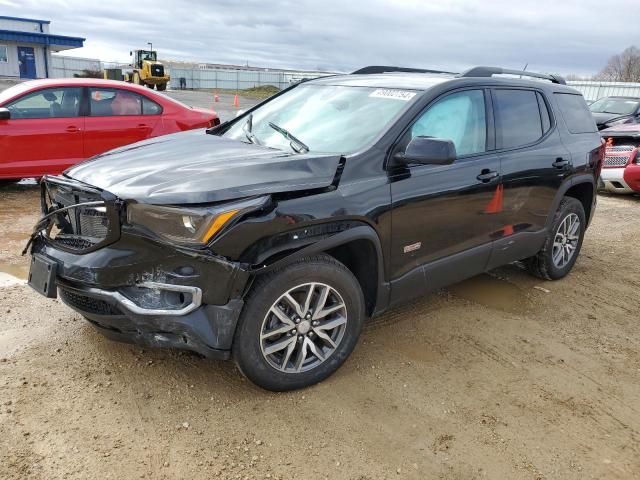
(412, 248)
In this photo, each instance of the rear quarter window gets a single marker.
(576, 114)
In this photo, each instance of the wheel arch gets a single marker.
(583, 189)
(359, 249)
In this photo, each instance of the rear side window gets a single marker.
(518, 120)
(149, 107)
(544, 114)
(576, 114)
(107, 102)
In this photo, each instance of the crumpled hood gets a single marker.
(195, 167)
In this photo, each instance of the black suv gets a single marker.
(272, 237)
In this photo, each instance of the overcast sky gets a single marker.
(561, 36)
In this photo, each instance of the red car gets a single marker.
(49, 125)
(621, 169)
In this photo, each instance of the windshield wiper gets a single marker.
(248, 127)
(297, 145)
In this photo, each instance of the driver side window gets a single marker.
(48, 103)
(459, 117)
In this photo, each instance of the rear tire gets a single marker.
(563, 243)
(279, 346)
(161, 87)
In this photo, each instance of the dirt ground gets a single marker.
(502, 377)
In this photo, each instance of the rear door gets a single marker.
(443, 213)
(118, 117)
(534, 160)
(44, 134)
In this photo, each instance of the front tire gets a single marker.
(299, 324)
(161, 87)
(563, 243)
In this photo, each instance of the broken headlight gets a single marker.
(195, 226)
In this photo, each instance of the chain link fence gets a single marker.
(67, 67)
(594, 90)
(235, 79)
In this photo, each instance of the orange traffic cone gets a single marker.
(495, 204)
(236, 102)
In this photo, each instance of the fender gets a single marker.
(363, 232)
(564, 188)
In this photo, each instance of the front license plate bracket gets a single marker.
(42, 275)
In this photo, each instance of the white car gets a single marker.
(621, 169)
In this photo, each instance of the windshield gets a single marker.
(14, 91)
(323, 118)
(619, 106)
(148, 55)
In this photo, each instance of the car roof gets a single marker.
(424, 81)
(58, 82)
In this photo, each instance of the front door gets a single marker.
(27, 62)
(44, 134)
(445, 212)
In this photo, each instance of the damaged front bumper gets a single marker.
(138, 290)
(152, 297)
(206, 329)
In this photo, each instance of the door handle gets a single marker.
(561, 163)
(143, 125)
(72, 129)
(487, 175)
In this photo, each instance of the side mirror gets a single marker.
(130, 53)
(5, 114)
(427, 151)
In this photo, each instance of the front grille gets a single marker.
(615, 160)
(93, 222)
(618, 156)
(88, 304)
(78, 218)
(157, 70)
(75, 243)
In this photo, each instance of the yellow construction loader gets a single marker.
(147, 70)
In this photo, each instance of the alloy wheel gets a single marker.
(303, 328)
(565, 242)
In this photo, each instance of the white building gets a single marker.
(26, 45)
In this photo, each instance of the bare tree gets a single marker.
(624, 67)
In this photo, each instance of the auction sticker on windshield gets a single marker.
(394, 94)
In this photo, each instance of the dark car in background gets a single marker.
(611, 111)
(272, 237)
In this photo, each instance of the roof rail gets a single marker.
(490, 71)
(386, 69)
